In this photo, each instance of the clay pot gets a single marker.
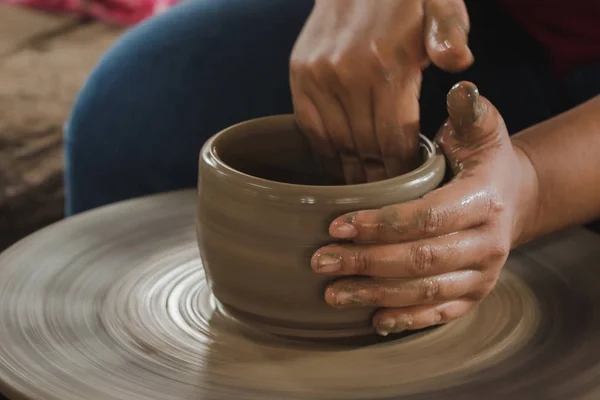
(263, 210)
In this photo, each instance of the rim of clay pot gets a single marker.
(434, 164)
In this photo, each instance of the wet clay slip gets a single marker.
(113, 304)
(264, 209)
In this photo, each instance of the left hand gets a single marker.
(432, 260)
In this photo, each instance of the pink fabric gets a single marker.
(123, 12)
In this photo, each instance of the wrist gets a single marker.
(528, 201)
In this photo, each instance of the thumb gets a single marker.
(474, 125)
(446, 34)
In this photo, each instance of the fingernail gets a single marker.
(328, 262)
(385, 326)
(343, 298)
(343, 231)
(464, 105)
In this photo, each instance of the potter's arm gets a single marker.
(565, 152)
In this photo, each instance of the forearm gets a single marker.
(565, 154)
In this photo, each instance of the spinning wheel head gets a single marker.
(113, 304)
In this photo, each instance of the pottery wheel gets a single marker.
(113, 304)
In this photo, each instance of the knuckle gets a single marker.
(423, 257)
(320, 69)
(372, 295)
(440, 316)
(345, 70)
(361, 65)
(429, 290)
(300, 69)
(431, 220)
(361, 263)
(443, 316)
(494, 205)
(498, 251)
(380, 230)
(338, 70)
(379, 295)
(315, 69)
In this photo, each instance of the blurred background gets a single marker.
(47, 49)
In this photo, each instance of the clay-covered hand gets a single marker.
(355, 75)
(431, 260)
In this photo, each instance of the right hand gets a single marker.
(355, 75)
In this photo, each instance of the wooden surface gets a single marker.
(44, 61)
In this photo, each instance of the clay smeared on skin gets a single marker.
(464, 106)
(392, 219)
(467, 117)
(465, 169)
(350, 218)
(350, 294)
(394, 325)
(359, 292)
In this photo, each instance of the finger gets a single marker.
(474, 120)
(309, 122)
(418, 259)
(374, 292)
(474, 128)
(396, 320)
(338, 129)
(323, 111)
(336, 124)
(396, 110)
(358, 101)
(446, 34)
(460, 205)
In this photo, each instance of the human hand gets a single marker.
(431, 260)
(355, 75)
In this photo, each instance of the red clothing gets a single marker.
(569, 30)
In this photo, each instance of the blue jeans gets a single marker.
(175, 80)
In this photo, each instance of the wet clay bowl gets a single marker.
(263, 210)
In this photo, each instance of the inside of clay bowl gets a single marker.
(273, 148)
